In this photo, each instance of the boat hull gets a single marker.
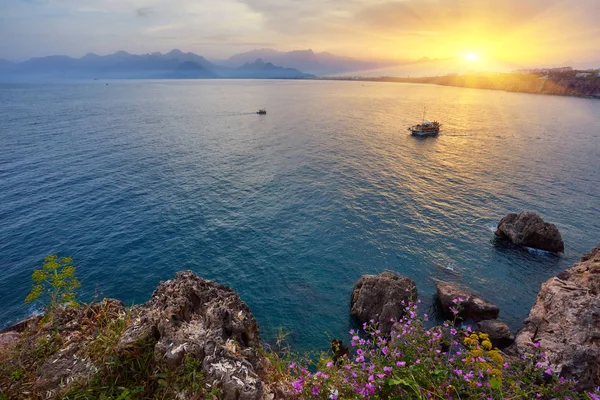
(416, 132)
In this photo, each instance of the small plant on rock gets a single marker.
(55, 284)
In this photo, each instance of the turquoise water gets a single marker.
(139, 179)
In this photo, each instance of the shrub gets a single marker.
(55, 284)
(438, 363)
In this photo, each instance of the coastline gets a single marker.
(509, 82)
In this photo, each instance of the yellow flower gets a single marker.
(486, 344)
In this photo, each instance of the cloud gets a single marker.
(539, 29)
(144, 11)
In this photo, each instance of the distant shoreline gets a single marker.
(561, 85)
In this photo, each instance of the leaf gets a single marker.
(495, 383)
(400, 381)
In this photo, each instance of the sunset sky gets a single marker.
(524, 32)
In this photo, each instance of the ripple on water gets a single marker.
(138, 180)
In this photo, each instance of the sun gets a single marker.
(471, 57)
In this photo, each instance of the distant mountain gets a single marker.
(304, 60)
(266, 70)
(173, 65)
(190, 70)
(6, 65)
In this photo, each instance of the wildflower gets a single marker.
(387, 370)
(453, 331)
(330, 364)
(401, 363)
(315, 390)
(333, 394)
(548, 371)
(458, 372)
(536, 344)
(292, 365)
(298, 385)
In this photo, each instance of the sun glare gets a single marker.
(471, 57)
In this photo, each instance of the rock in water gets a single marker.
(529, 229)
(379, 298)
(471, 306)
(566, 321)
(499, 332)
(191, 315)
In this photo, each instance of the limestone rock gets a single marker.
(471, 307)
(191, 315)
(500, 334)
(379, 297)
(566, 321)
(529, 229)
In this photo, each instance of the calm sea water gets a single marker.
(137, 180)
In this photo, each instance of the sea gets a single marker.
(139, 179)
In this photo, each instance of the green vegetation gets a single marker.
(438, 363)
(55, 284)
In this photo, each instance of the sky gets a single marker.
(519, 32)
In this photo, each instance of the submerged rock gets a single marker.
(498, 331)
(529, 229)
(379, 298)
(565, 320)
(471, 306)
(189, 315)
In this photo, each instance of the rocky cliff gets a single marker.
(565, 321)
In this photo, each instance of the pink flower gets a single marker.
(548, 371)
(400, 364)
(536, 344)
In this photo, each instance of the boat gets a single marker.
(425, 128)
(262, 111)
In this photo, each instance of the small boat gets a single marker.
(425, 128)
(262, 111)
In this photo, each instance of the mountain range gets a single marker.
(305, 60)
(120, 65)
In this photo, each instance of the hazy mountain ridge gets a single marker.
(305, 60)
(172, 65)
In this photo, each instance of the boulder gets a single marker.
(565, 320)
(189, 315)
(379, 298)
(500, 334)
(470, 305)
(529, 229)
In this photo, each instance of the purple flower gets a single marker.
(298, 385)
(548, 371)
(315, 390)
(387, 370)
(536, 344)
(453, 331)
(400, 363)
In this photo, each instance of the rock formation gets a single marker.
(499, 332)
(529, 229)
(379, 298)
(191, 315)
(471, 306)
(565, 320)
